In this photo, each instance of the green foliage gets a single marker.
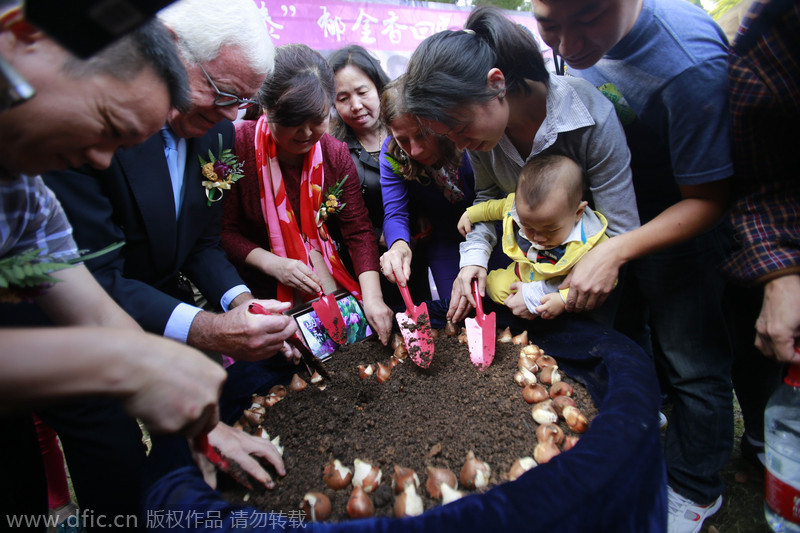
(512, 5)
(396, 167)
(722, 7)
(31, 269)
(22, 270)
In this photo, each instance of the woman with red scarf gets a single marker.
(296, 222)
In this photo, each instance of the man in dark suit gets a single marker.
(152, 197)
(163, 215)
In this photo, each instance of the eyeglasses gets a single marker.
(224, 99)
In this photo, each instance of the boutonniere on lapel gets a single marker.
(331, 205)
(25, 275)
(219, 172)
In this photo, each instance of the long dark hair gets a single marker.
(359, 57)
(393, 106)
(448, 70)
(299, 89)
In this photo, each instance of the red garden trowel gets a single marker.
(202, 445)
(331, 317)
(415, 325)
(480, 333)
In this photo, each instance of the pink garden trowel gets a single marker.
(415, 326)
(480, 333)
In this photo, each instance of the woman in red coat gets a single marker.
(296, 222)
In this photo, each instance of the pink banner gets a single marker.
(387, 28)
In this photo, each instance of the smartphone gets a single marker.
(314, 335)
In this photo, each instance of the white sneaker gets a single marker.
(685, 516)
(662, 420)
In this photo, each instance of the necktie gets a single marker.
(171, 153)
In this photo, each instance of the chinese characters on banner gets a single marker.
(390, 31)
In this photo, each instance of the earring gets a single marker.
(502, 95)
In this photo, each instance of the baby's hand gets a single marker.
(464, 225)
(552, 306)
(516, 302)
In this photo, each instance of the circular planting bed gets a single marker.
(415, 418)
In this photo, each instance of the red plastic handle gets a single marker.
(476, 293)
(406, 298)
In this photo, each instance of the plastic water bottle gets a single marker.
(782, 436)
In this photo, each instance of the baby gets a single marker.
(547, 228)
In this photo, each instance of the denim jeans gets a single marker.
(677, 295)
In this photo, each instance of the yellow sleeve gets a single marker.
(487, 211)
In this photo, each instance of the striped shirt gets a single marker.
(764, 71)
(32, 218)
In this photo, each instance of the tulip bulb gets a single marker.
(297, 384)
(408, 503)
(315, 378)
(543, 413)
(521, 339)
(576, 420)
(544, 451)
(505, 336)
(401, 352)
(258, 401)
(254, 417)
(450, 494)
(359, 505)
(561, 388)
(272, 399)
(532, 351)
(527, 362)
(520, 466)
(560, 402)
(550, 432)
(278, 390)
(383, 373)
(525, 377)
(365, 371)
(550, 375)
(438, 477)
(534, 393)
(545, 360)
(474, 474)
(404, 476)
(397, 340)
(336, 475)
(277, 443)
(570, 442)
(316, 506)
(450, 329)
(366, 475)
(462, 338)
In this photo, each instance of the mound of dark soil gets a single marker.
(417, 418)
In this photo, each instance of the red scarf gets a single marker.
(285, 236)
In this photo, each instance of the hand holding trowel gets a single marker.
(480, 333)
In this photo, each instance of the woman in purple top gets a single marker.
(423, 176)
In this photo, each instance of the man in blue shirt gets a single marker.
(663, 65)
